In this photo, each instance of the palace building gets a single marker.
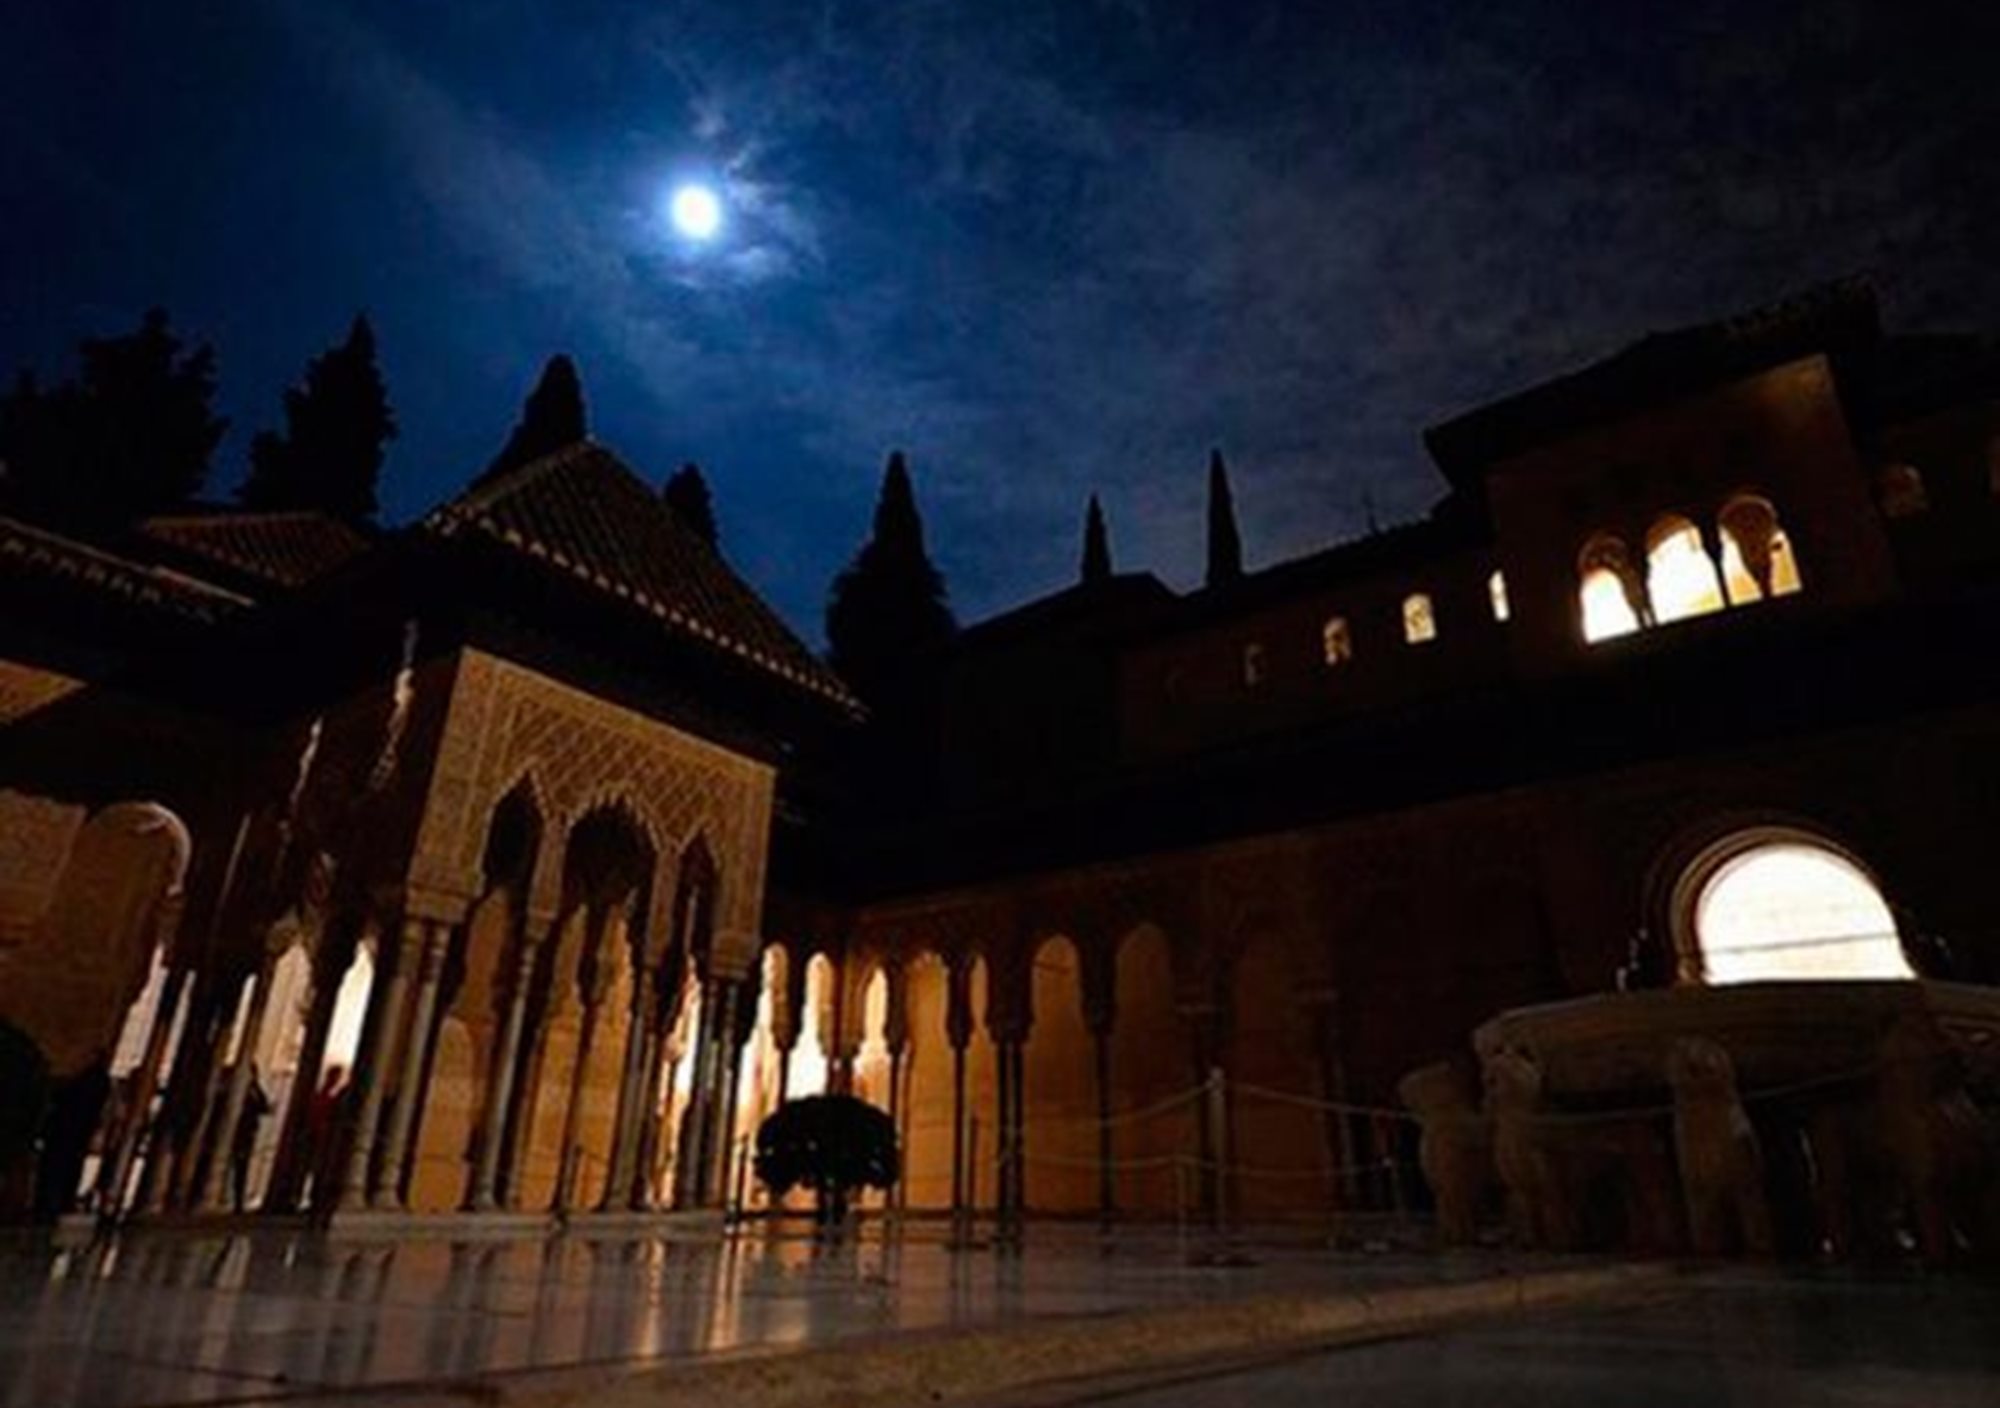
(520, 860)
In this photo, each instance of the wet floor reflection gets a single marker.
(181, 1318)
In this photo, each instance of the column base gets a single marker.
(693, 1224)
(373, 1224)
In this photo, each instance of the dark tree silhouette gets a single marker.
(888, 607)
(1225, 547)
(338, 423)
(131, 436)
(832, 1144)
(1096, 544)
(551, 418)
(687, 495)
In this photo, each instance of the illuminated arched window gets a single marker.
(1606, 587)
(1336, 640)
(1756, 554)
(1785, 906)
(1419, 618)
(1900, 489)
(1680, 576)
(1254, 664)
(1496, 593)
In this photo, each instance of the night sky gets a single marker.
(1045, 247)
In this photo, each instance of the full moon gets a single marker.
(696, 212)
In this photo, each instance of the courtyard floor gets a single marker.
(183, 1318)
(1735, 1340)
(188, 1318)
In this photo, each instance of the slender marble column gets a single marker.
(1003, 1136)
(638, 1186)
(416, 1051)
(215, 1186)
(692, 1141)
(960, 1199)
(569, 1165)
(1017, 1131)
(631, 1080)
(174, 1126)
(290, 1165)
(1107, 1199)
(372, 1070)
(145, 1081)
(485, 1195)
(730, 1077)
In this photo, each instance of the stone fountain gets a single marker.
(1843, 1119)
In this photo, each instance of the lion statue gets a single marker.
(1721, 1167)
(1539, 1210)
(1939, 1147)
(1455, 1150)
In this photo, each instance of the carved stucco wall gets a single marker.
(508, 726)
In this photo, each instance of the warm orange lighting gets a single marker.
(1337, 640)
(1742, 586)
(1680, 577)
(1606, 612)
(1419, 619)
(1496, 592)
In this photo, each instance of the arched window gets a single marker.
(1607, 586)
(1254, 665)
(1336, 641)
(1900, 489)
(1496, 593)
(1757, 557)
(1680, 576)
(1419, 619)
(1781, 905)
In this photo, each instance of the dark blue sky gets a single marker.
(1047, 246)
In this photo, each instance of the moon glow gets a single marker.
(696, 212)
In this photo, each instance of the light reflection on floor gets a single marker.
(183, 1318)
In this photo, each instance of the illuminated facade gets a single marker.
(535, 861)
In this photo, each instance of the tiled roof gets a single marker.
(283, 549)
(583, 512)
(35, 552)
(1660, 367)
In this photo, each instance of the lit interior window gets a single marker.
(1789, 911)
(1496, 592)
(1606, 612)
(1253, 664)
(1680, 577)
(1337, 640)
(1419, 619)
(1742, 586)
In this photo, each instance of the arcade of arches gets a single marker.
(602, 1021)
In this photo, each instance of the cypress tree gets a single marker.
(1225, 546)
(131, 436)
(338, 423)
(888, 607)
(1096, 545)
(552, 418)
(687, 495)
